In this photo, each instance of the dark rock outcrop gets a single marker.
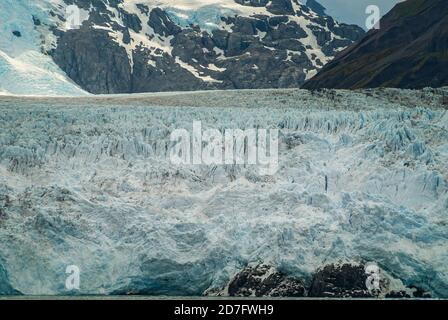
(253, 3)
(340, 281)
(410, 50)
(280, 7)
(316, 7)
(347, 280)
(398, 295)
(93, 61)
(162, 24)
(264, 281)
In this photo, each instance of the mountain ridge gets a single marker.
(136, 46)
(408, 51)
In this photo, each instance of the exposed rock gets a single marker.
(411, 292)
(280, 7)
(162, 24)
(253, 3)
(264, 281)
(316, 7)
(347, 280)
(397, 295)
(420, 293)
(36, 21)
(93, 61)
(340, 281)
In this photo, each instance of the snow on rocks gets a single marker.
(194, 45)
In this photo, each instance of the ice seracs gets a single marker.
(362, 177)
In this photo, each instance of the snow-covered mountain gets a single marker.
(125, 46)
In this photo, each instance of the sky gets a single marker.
(353, 11)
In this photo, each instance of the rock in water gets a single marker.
(340, 281)
(264, 281)
(336, 280)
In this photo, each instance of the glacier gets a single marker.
(33, 73)
(24, 68)
(87, 182)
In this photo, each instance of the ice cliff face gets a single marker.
(362, 177)
(24, 68)
(128, 46)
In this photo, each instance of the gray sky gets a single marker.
(353, 11)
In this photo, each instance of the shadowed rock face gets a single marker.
(346, 280)
(263, 280)
(410, 50)
(340, 281)
(94, 62)
(124, 49)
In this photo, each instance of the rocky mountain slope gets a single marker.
(410, 50)
(128, 46)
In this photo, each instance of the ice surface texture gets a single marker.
(24, 68)
(90, 184)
